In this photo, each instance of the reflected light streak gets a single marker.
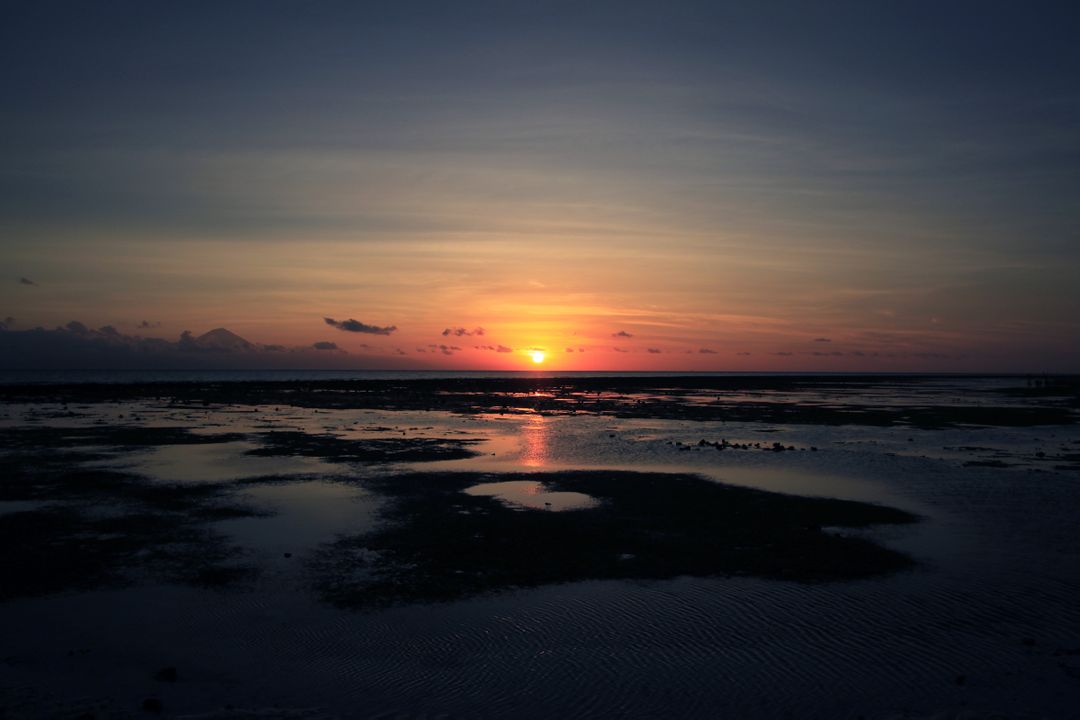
(535, 439)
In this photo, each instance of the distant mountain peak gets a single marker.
(222, 339)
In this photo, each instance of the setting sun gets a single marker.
(537, 356)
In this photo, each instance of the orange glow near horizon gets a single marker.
(582, 324)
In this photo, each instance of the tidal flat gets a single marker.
(587, 547)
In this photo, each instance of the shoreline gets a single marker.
(834, 400)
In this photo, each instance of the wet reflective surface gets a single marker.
(216, 462)
(985, 622)
(533, 495)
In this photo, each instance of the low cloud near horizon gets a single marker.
(462, 332)
(77, 346)
(356, 326)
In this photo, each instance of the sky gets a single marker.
(773, 186)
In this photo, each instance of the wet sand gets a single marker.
(825, 547)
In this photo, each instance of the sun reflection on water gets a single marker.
(535, 440)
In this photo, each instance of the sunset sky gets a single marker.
(623, 185)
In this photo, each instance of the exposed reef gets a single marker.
(369, 450)
(439, 543)
(766, 399)
(79, 527)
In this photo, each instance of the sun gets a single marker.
(538, 356)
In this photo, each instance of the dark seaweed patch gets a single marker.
(61, 548)
(38, 438)
(106, 527)
(439, 543)
(1053, 403)
(374, 450)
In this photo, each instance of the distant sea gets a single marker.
(51, 377)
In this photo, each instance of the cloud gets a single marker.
(494, 348)
(822, 339)
(146, 325)
(462, 332)
(77, 346)
(783, 354)
(655, 351)
(622, 334)
(619, 350)
(744, 354)
(569, 349)
(27, 281)
(448, 349)
(356, 326)
(707, 351)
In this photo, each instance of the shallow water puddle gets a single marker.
(586, 443)
(306, 513)
(16, 506)
(216, 462)
(533, 495)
